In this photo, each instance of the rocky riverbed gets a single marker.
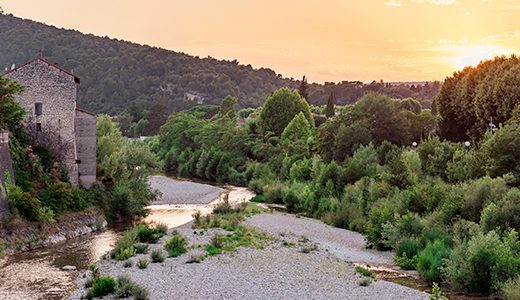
(304, 259)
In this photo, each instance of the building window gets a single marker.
(38, 127)
(38, 109)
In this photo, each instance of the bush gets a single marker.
(102, 286)
(146, 234)
(481, 192)
(484, 263)
(124, 247)
(26, 205)
(140, 248)
(127, 288)
(274, 192)
(511, 289)
(143, 263)
(381, 213)
(365, 272)
(128, 263)
(157, 256)
(430, 260)
(176, 246)
(406, 262)
(408, 247)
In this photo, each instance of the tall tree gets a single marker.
(303, 89)
(227, 107)
(280, 108)
(329, 110)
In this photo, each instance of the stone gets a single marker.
(69, 268)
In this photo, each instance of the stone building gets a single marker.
(53, 118)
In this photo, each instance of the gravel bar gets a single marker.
(282, 270)
(176, 191)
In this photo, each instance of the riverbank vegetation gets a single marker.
(447, 203)
(43, 192)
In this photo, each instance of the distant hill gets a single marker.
(117, 75)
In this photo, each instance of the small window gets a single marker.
(38, 127)
(38, 109)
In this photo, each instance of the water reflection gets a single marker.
(38, 274)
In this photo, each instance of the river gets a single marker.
(38, 274)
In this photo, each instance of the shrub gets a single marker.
(511, 289)
(408, 247)
(481, 192)
(146, 234)
(430, 260)
(143, 263)
(381, 213)
(405, 262)
(484, 263)
(273, 192)
(157, 256)
(125, 253)
(365, 272)
(124, 247)
(26, 205)
(102, 286)
(176, 246)
(127, 288)
(128, 263)
(140, 248)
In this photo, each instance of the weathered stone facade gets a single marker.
(49, 99)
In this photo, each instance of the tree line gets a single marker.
(149, 83)
(382, 166)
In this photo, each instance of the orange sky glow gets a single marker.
(327, 40)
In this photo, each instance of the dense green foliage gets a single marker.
(475, 96)
(449, 210)
(149, 83)
(124, 166)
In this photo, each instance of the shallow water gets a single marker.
(38, 274)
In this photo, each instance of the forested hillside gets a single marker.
(143, 80)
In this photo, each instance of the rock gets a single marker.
(69, 268)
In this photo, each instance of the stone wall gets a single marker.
(56, 89)
(86, 146)
(6, 173)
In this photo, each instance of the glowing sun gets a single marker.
(472, 55)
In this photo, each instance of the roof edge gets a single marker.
(76, 78)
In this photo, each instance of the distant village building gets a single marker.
(53, 118)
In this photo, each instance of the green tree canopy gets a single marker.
(329, 110)
(11, 113)
(472, 97)
(298, 129)
(281, 107)
(227, 107)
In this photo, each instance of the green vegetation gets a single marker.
(135, 241)
(157, 256)
(144, 84)
(365, 272)
(143, 263)
(102, 286)
(176, 246)
(449, 209)
(475, 96)
(42, 191)
(128, 288)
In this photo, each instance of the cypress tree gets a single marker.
(303, 89)
(329, 110)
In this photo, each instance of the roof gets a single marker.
(76, 78)
(85, 111)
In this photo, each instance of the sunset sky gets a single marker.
(328, 40)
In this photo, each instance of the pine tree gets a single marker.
(329, 111)
(303, 89)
